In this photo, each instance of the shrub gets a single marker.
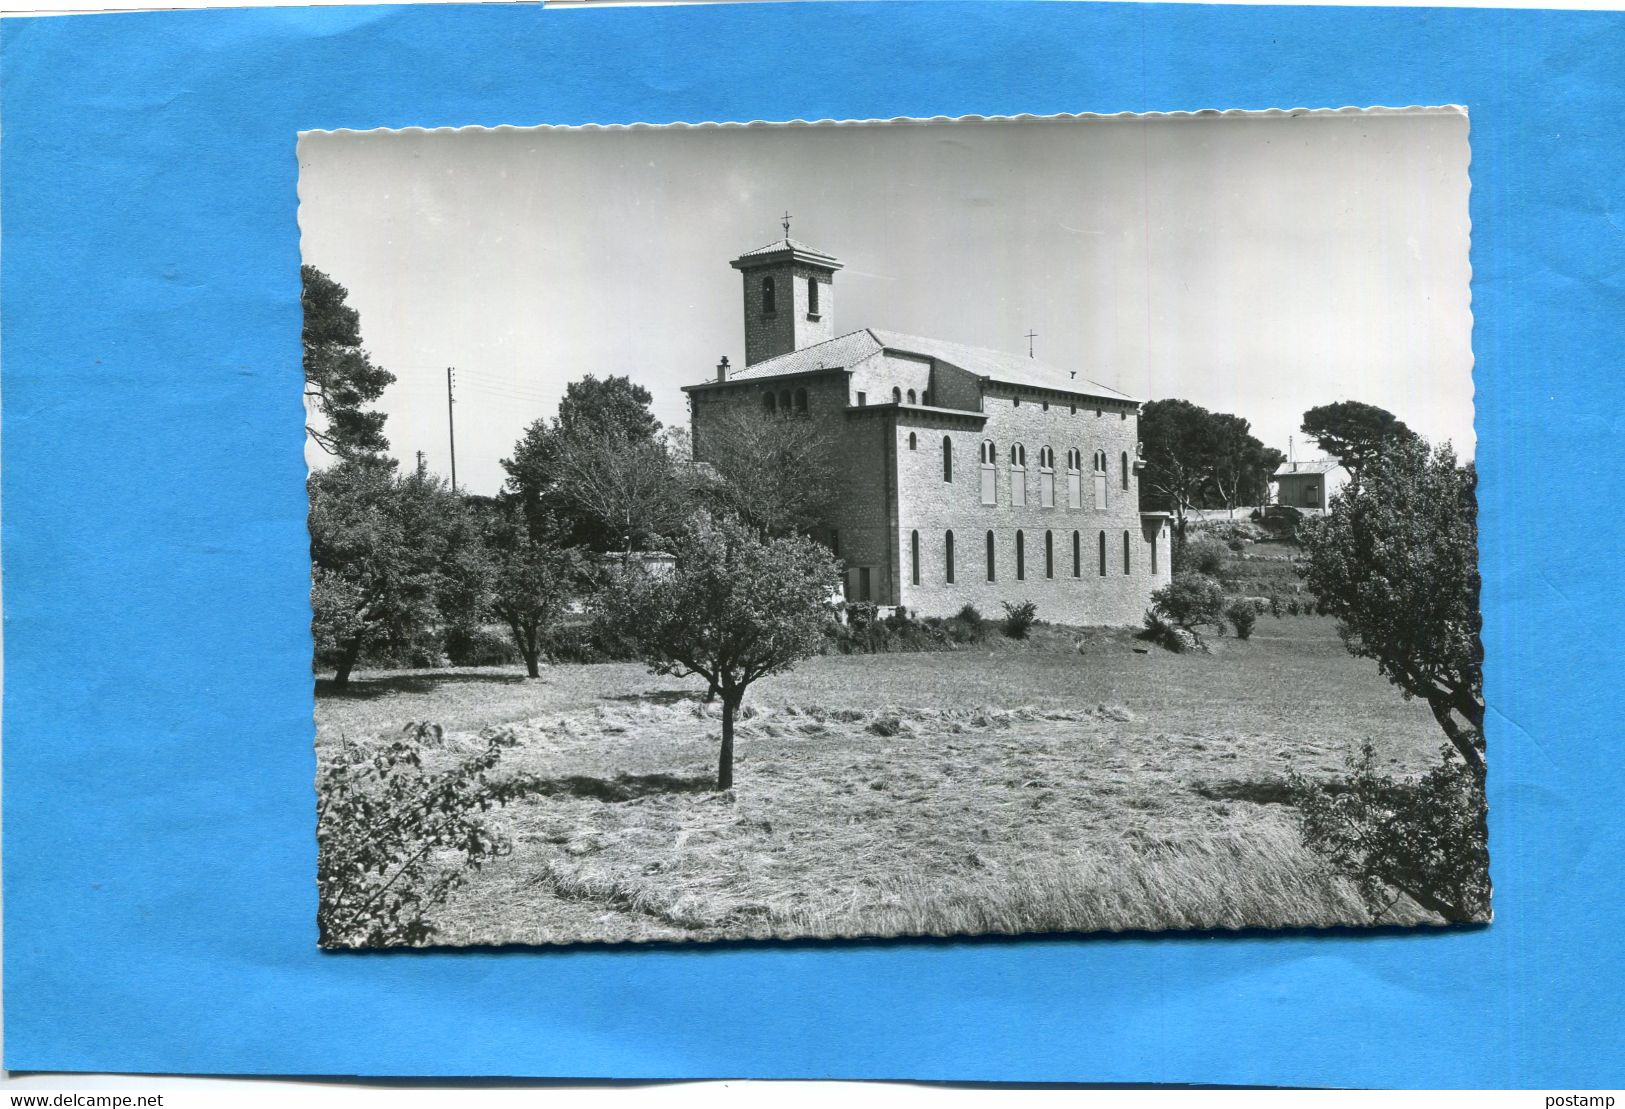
(862, 614)
(1275, 605)
(1190, 601)
(1201, 555)
(379, 820)
(1236, 543)
(1292, 607)
(1242, 617)
(1160, 631)
(478, 646)
(1424, 838)
(971, 616)
(1019, 619)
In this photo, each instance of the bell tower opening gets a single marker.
(789, 297)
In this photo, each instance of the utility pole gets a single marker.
(451, 428)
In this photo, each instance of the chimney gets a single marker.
(722, 369)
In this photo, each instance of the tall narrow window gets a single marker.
(1125, 471)
(896, 395)
(1077, 555)
(1049, 554)
(1102, 554)
(770, 300)
(911, 396)
(1021, 555)
(1018, 476)
(990, 494)
(1100, 481)
(1125, 552)
(991, 576)
(913, 443)
(1046, 477)
(1074, 479)
(1154, 553)
(812, 296)
(948, 557)
(914, 552)
(947, 459)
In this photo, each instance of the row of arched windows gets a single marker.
(948, 568)
(1046, 474)
(898, 396)
(785, 402)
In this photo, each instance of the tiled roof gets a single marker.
(1015, 369)
(847, 351)
(1314, 466)
(787, 244)
(842, 352)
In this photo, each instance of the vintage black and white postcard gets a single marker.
(893, 528)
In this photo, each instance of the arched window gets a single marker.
(812, 296)
(1102, 554)
(991, 576)
(1125, 471)
(1046, 477)
(896, 395)
(1125, 553)
(1077, 555)
(988, 452)
(911, 396)
(948, 557)
(1021, 555)
(1074, 479)
(770, 403)
(1018, 477)
(801, 401)
(770, 300)
(914, 553)
(990, 494)
(1100, 462)
(913, 443)
(947, 459)
(1049, 554)
(1100, 481)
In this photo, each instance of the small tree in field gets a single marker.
(530, 581)
(1398, 566)
(734, 608)
(1188, 602)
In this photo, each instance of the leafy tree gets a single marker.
(1181, 443)
(1426, 839)
(1242, 465)
(385, 552)
(340, 379)
(574, 475)
(531, 581)
(1355, 434)
(780, 476)
(735, 608)
(1398, 566)
(380, 819)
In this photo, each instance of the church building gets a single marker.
(968, 476)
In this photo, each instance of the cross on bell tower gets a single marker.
(786, 222)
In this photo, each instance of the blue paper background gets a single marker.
(159, 856)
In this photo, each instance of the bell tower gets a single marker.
(789, 297)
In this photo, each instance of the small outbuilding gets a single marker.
(1309, 486)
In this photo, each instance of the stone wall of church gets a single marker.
(932, 507)
(790, 326)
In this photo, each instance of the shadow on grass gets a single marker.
(1265, 791)
(427, 681)
(657, 697)
(623, 787)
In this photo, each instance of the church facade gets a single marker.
(968, 476)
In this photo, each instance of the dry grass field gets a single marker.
(1065, 784)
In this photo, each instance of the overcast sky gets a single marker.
(1255, 265)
